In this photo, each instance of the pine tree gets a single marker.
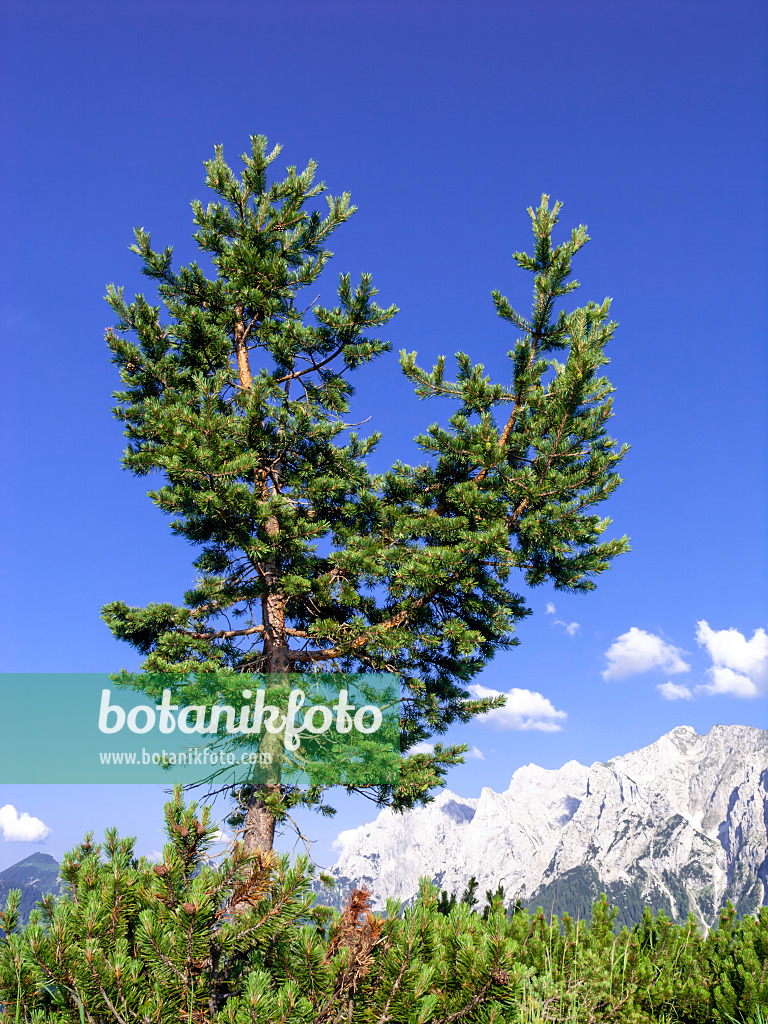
(494, 899)
(240, 403)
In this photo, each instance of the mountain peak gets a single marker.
(678, 825)
(36, 876)
(35, 858)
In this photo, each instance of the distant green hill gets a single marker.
(36, 876)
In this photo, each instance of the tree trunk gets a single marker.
(260, 822)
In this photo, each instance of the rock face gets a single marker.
(679, 826)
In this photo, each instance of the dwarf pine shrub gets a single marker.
(242, 942)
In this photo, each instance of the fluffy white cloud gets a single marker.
(638, 651)
(21, 828)
(422, 748)
(725, 680)
(348, 838)
(674, 691)
(550, 608)
(525, 709)
(476, 753)
(740, 666)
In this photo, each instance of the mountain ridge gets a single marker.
(680, 825)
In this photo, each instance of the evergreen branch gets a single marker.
(297, 374)
(476, 999)
(104, 995)
(221, 633)
(385, 1014)
(399, 619)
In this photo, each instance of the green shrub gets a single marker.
(188, 942)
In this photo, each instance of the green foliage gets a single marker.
(445, 904)
(468, 896)
(156, 943)
(241, 943)
(737, 956)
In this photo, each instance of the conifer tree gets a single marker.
(239, 394)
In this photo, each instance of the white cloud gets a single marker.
(21, 828)
(674, 691)
(725, 680)
(740, 666)
(347, 839)
(524, 710)
(638, 651)
(422, 748)
(476, 753)
(571, 628)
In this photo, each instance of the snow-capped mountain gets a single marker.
(681, 825)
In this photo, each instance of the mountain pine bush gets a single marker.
(241, 942)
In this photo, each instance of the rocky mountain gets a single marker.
(679, 826)
(36, 876)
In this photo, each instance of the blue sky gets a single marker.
(444, 121)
